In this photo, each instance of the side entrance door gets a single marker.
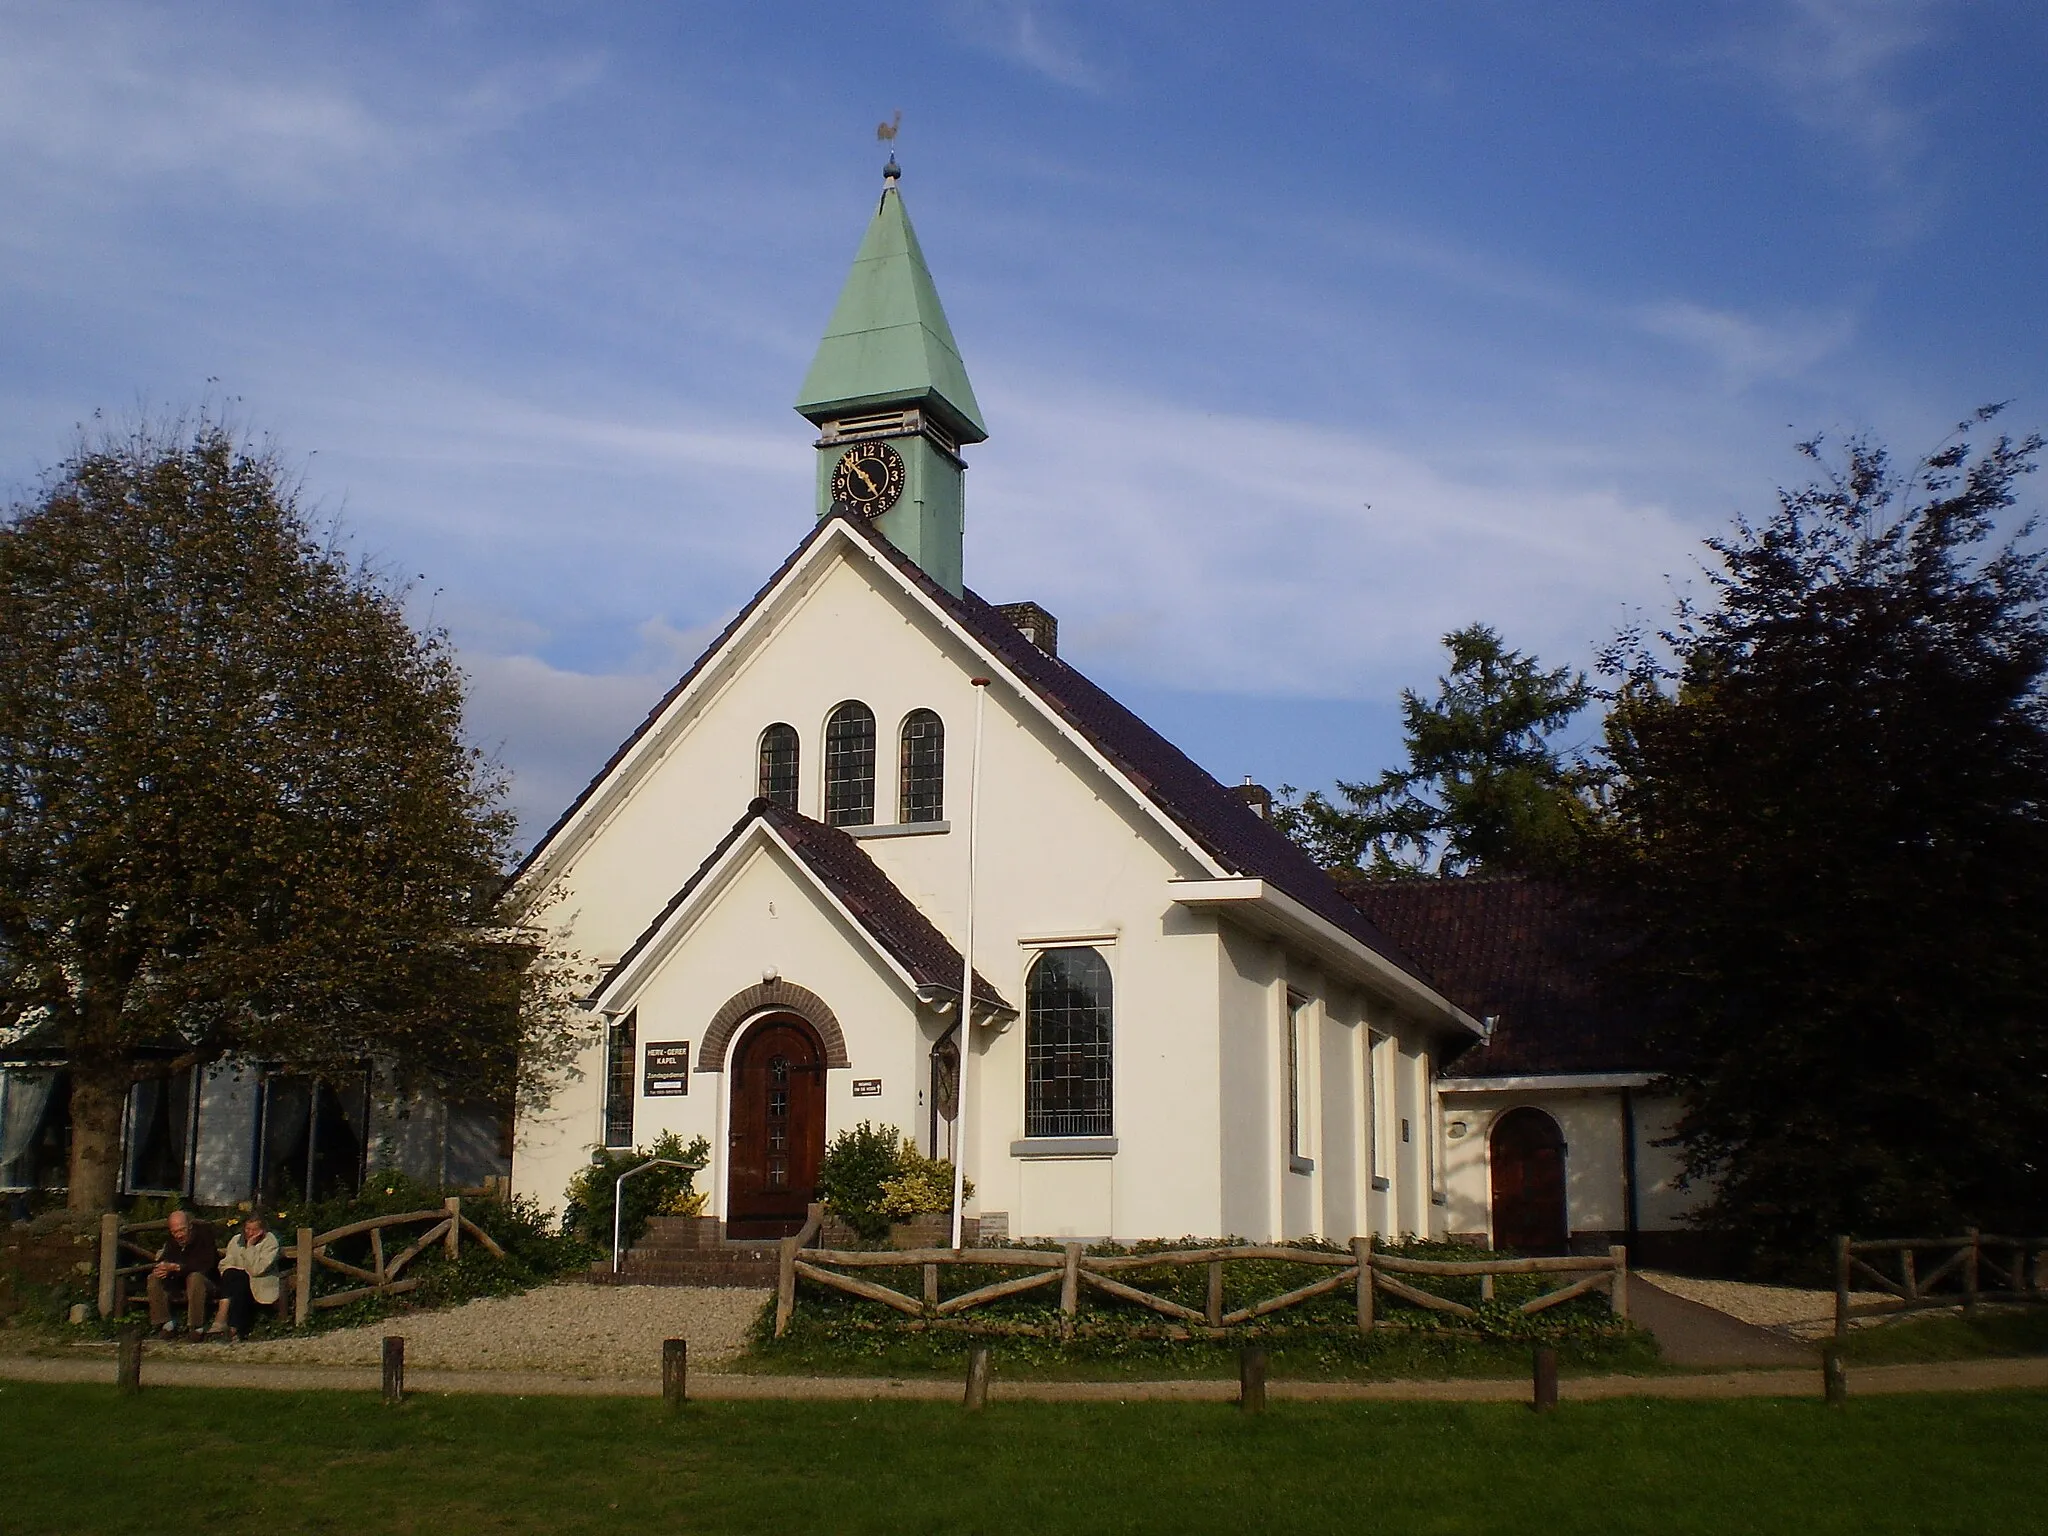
(778, 1128)
(1529, 1213)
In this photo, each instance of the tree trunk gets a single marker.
(98, 1097)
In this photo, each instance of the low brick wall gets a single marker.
(52, 1250)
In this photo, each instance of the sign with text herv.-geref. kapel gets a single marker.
(668, 1070)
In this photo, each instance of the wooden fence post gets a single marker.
(110, 1260)
(1970, 1273)
(977, 1379)
(931, 1285)
(1834, 1375)
(394, 1368)
(785, 1285)
(1909, 1275)
(1251, 1379)
(1544, 1394)
(1841, 1287)
(1361, 1250)
(453, 1205)
(1070, 1291)
(675, 1371)
(302, 1278)
(1213, 1310)
(128, 1362)
(1618, 1299)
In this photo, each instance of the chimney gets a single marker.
(1258, 797)
(1039, 627)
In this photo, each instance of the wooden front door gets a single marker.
(1528, 1183)
(778, 1128)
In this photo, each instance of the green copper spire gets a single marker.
(888, 343)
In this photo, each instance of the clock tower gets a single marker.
(890, 398)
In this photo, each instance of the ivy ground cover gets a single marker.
(81, 1459)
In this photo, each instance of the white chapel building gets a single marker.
(1179, 1025)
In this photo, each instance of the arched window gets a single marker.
(850, 766)
(779, 752)
(923, 767)
(1067, 1045)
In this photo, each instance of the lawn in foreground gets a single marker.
(81, 1459)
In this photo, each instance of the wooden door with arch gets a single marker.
(776, 1139)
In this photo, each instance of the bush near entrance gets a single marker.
(660, 1191)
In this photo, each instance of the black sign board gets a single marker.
(867, 1087)
(668, 1070)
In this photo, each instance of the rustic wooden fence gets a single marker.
(306, 1255)
(1362, 1271)
(1955, 1278)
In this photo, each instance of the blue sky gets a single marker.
(1304, 332)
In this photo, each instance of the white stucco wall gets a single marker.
(1067, 855)
(1592, 1123)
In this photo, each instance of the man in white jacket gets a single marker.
(248, 1277)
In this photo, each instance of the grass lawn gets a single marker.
(1294, 1354)
(80, 1459)
(1919, 1340)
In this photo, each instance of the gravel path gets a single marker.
(581, 1330)
(1783, 1308)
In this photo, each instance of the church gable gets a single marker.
(847, 620)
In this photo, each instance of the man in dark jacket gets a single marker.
(189, 1263)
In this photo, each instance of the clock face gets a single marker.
(868, 478)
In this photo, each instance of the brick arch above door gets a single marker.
(777, 996)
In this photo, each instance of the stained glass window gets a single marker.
(850, 766)
(779, 765)
(618, 1084)
(923, 767)
(1067, 1045)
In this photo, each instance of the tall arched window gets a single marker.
(1067, 1045)
(779, 751)
(850, 766)
(923, 767)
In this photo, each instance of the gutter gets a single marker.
(1263, 907)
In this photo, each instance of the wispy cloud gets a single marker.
(1030, 34)
(1747, 349)
(1837, 67)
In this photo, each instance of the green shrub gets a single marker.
(920, 1186)
(661, 1191)
(873, 1175)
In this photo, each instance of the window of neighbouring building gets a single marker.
(850, 766)
(35, 1128)
(160, 1119)
(1068, 1045)
(315, 1136)
(780, 752)
(923, 769)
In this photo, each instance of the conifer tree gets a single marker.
(1484, 788)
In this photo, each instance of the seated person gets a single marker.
(185, 1265)
(248, 1277)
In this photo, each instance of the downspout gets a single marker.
(1628, 1168)
(960, 1141)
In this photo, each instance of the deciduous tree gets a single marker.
(237, 815)
(1830, 827)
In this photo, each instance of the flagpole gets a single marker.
(967, 973)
